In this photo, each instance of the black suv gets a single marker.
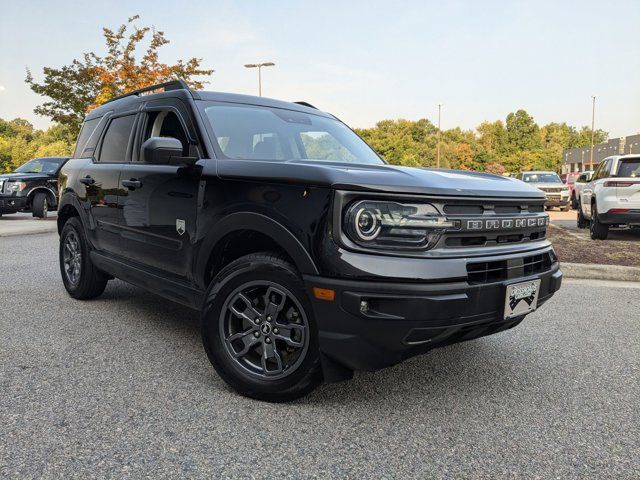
(308, 255)
(31, 187)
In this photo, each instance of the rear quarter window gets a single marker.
(88, 127)
(629, 168)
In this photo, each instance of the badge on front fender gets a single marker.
(180, 226)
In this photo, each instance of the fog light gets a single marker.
(364, 306)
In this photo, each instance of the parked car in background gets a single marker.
(612, 197)
(569, 180)
(32, 187)
(556, 192)
(578, 185)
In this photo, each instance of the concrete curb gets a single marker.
(31, 230)
(600, 272)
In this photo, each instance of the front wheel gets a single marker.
(259, 331)
(80, 277)
(598, 231)
(566, 209)
(39, 206)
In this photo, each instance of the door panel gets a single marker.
(102, 179)
(158, 217)
(102, 198)
(158, 203)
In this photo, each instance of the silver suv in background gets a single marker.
(556, 192)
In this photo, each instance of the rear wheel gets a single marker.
(39, 206)
(80, 277)
(259, 331)
(597, 230)
(582, 221)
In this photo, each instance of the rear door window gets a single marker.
(116, 140)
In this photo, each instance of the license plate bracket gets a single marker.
(521, 298)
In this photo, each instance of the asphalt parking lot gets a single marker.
(120, 387)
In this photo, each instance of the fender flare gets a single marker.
(69, 198)
(261, 224)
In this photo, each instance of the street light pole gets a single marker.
(259, 67)
(438, 148)
(593, 123)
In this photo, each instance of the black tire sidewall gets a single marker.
(247, 269)
(91, 282)
(38, 207)
(597, 230)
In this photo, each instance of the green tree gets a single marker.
(75, 89)
(522, 131)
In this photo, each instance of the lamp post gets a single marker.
(438, 148)
(593, 123)
(259, 67)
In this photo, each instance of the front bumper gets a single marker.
(406, 319)
(557, 202)
(11, 204)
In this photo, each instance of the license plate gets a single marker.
(521, 298)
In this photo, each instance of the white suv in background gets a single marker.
(612, 197)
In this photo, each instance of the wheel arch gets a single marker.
(68, 207)
(51, 195)
(257, 233)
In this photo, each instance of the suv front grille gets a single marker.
(500, 270)
(489, 223)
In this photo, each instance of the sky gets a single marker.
(365, 61)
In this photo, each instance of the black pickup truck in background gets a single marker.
(32, 187)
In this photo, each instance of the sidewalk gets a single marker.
(26, 224)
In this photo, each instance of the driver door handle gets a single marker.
(87, 180)
(132, 183)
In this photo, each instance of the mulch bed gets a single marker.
(577, 247)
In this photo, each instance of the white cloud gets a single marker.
(2, 89)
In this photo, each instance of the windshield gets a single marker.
(629, 168)
(541, 178)
(40, 165)
(265, 133)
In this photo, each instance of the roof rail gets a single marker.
(306, 104)
(177, 84)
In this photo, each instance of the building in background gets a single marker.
(577, 159)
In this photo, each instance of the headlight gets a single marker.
(392, 225)
(16, 186)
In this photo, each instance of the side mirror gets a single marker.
(164, 151)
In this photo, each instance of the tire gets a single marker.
(597, 230)
(566, 209)
(574, 202)
(39, 205)
(582, 222)
(236, 306)
(86, 281)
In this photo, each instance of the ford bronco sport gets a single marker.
(308, 255)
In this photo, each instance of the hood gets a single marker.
(26, 176)
(379, 178)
